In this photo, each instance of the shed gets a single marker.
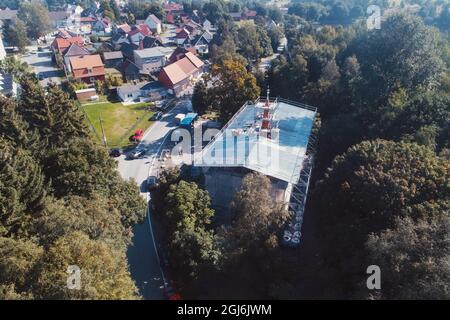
(86, 94)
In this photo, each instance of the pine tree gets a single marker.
(21, 189)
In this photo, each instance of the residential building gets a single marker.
(73, 51)
(207, 25)
(201, 43)
(128, 50)
(138, 33)
(182, 74)
(250, 14)
(88, 68)
(142, 91)
(154, 23)
(151, 42)
(152, 59)
(170, 18)
(180, 53)
(172, 7)
(102, 27)
(129, 70)
(236, 16)
(119, 39)
(182, 36)
(65, 34)
(59, 45)
(123, 28)
(112, 59)
(75, 10)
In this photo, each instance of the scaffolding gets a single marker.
(296, 145)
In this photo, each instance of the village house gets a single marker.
(182, 74)
(123, 28)
(151, 60)
(75, 10)
(73, 51)
(65, 34)
(59, 45)
(112, 59)
(127, 50)
(201, 43)
(180, 53)
(173, 8)
(154, 23)
(151, 42)
(102, 27)
(88, 68)
(182, 36)
(138, 33)
(142, 91)
(129, 70)
(119, 39)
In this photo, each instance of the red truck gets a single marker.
(137, 136)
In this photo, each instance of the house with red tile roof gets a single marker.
(180, 53)
(170, 18)
(181, 74)
(102, 27)
(123, 28)
(65, 34)
(73, 51)
(60, 44)
(88, 68)
(172, 7)
(250, 14)
(182, 36)
(138, 33)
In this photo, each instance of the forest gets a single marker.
(62, 202)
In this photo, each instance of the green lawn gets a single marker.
(119, 121)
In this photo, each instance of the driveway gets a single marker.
(142, 256)
(41, 63)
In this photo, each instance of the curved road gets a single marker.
(142, 255)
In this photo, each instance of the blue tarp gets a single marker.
(190, 117)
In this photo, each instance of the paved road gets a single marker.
(266, 62)
(142, 256)
(41, 63)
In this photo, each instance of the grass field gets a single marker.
(119, 121)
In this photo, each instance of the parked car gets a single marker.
(156, 116)
(137, 153)
(114, 153)
(152, 183)
(137, 136)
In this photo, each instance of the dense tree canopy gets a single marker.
(35, 15)
(233, 85)
(15, 33)
(62, 202)
(365, 190)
